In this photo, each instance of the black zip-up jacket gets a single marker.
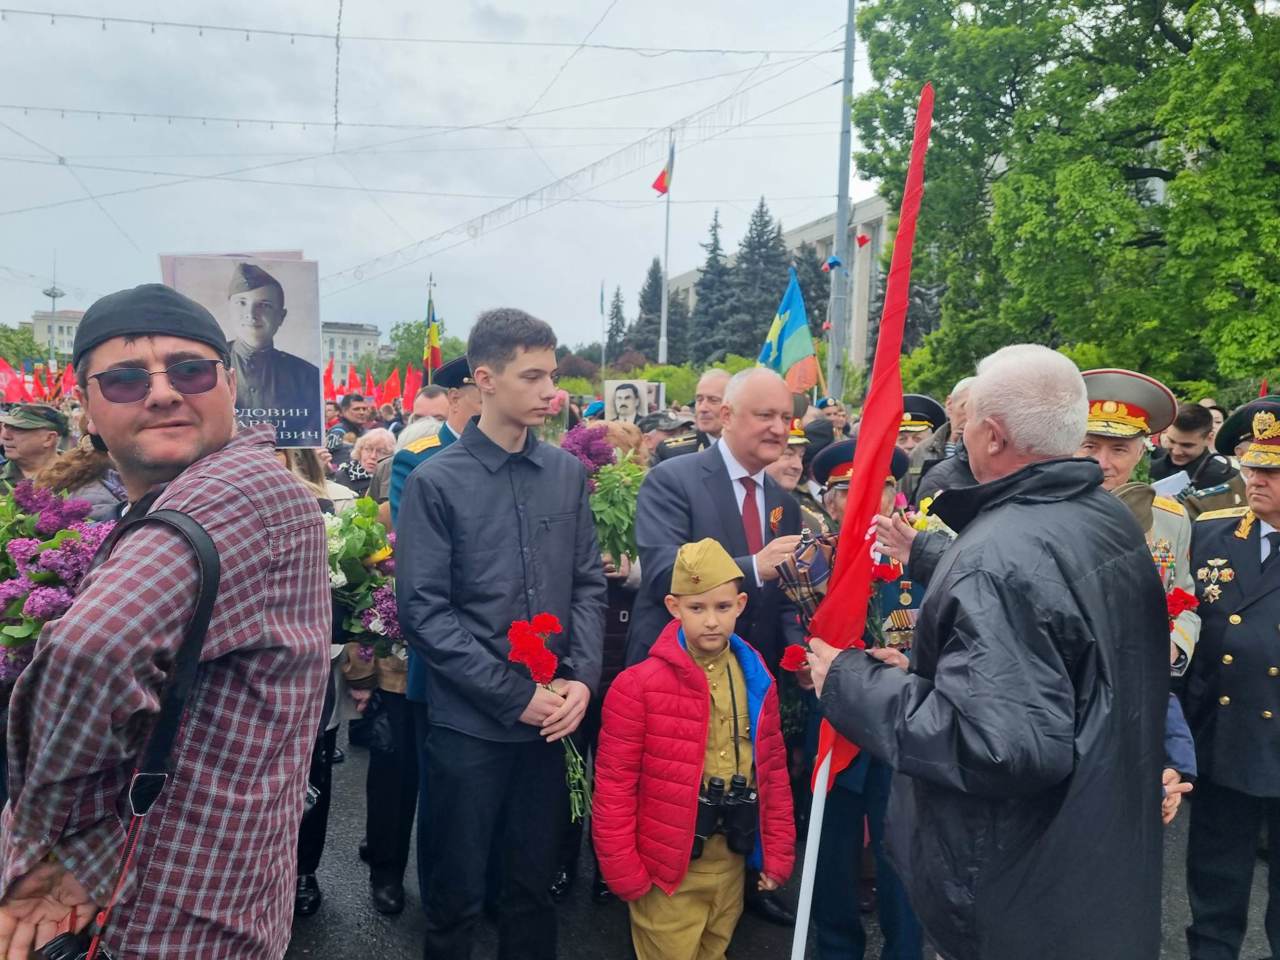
(1028, 734)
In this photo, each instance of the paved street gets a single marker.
(348, 926)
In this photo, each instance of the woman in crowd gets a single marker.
(85, 473)
(370, 448)
(304, 463)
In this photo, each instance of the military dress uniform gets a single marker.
(678, 446)
(1233, 705)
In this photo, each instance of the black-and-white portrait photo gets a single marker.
(625, 400)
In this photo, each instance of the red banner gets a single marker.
(842, 616)
(412, 384)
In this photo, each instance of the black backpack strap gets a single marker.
(152, 770)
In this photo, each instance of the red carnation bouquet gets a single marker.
(1178, 602)
(794, 658)
(528, 641)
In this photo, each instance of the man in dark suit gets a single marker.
(705, 494)
(724, 493)
(1233, 704)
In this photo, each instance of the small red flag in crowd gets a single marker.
(391, 388)
(353, 379)
(412, 384)
(330, 391)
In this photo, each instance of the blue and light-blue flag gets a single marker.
(788, 349)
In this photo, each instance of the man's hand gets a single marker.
(821, 655)
(617, 571)
(766, 883)
(542, 704)
(1174, 790)
(894, 537)
(894, 658)
(775, 551)
(44, 903)
(564, 721)
(361, 698)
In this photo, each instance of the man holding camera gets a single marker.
(210, 871)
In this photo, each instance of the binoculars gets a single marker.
(734, 813)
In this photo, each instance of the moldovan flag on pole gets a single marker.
(353, 379)
(663, 183)
(431, 358)
(788, 349)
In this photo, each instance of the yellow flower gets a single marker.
(378, 556)
(922, 515)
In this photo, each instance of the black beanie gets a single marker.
(149, 310)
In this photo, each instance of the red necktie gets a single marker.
(751, 516)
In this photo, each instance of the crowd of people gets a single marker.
(1072, 630)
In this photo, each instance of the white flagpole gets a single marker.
(810, 871)
(666, 252)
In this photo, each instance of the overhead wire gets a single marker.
(292, 35)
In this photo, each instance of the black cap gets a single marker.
(821, 433)
(455, 373)
(831, 467)
(146, 311)
(1238, 427)
(920, 413)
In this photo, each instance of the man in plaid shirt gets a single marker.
(214, 872)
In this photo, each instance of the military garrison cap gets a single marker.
(247, 277)
(702, 566)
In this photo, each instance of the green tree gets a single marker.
(759, 280)
(642, 335)
(815, 285)
(713, 298)
(18, 344)
(617, 325)
(1102, 179)
(677, 327)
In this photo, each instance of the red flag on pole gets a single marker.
(412, 384)
(68, 380)
(391, 387)
(330, 391)
(37, 382)
(842, 616)
(370, 385)
(52, 387)
(353, 379)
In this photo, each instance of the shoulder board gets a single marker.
(424, 444)
(681, 442)
(1171, 506)
(1232, 512)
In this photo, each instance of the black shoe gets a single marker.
(561, 885)
(768, 907)
(307, 900)
(388, 898)
(600, 892)
(364, 850)
(337, 756)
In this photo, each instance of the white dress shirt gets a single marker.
(1263, 529)
(736, 472)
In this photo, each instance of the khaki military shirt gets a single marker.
(720, 760)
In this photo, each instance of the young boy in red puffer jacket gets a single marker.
(702, 706)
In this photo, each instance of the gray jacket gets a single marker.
(485, 538)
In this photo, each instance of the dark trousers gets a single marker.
(421, 727)
(391, 795)
(479, 790)
(838, 933)
(316, 823)
(1221, 852)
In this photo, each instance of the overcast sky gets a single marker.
(548, 259)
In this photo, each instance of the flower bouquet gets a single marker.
(529, 647)
(614, 486)
(361, 572)
(47, 548)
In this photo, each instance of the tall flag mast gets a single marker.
(663, 186)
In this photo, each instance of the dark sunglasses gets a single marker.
(131, 384)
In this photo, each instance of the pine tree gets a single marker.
(617, 327)
(714, 295)
(677, 328)
(643, 334)
(815, 285)
(759, 278)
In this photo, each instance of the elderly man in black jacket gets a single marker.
(1027, 731)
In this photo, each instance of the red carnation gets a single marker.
(1180, 601)
(546, 623)
(542, 666)
(886, 571)
(794, 658)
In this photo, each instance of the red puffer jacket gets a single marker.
(649, 769)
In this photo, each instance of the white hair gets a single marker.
(425, 427)
(739, 381)
(962, 386)
(380, 433)
(1036, 394)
